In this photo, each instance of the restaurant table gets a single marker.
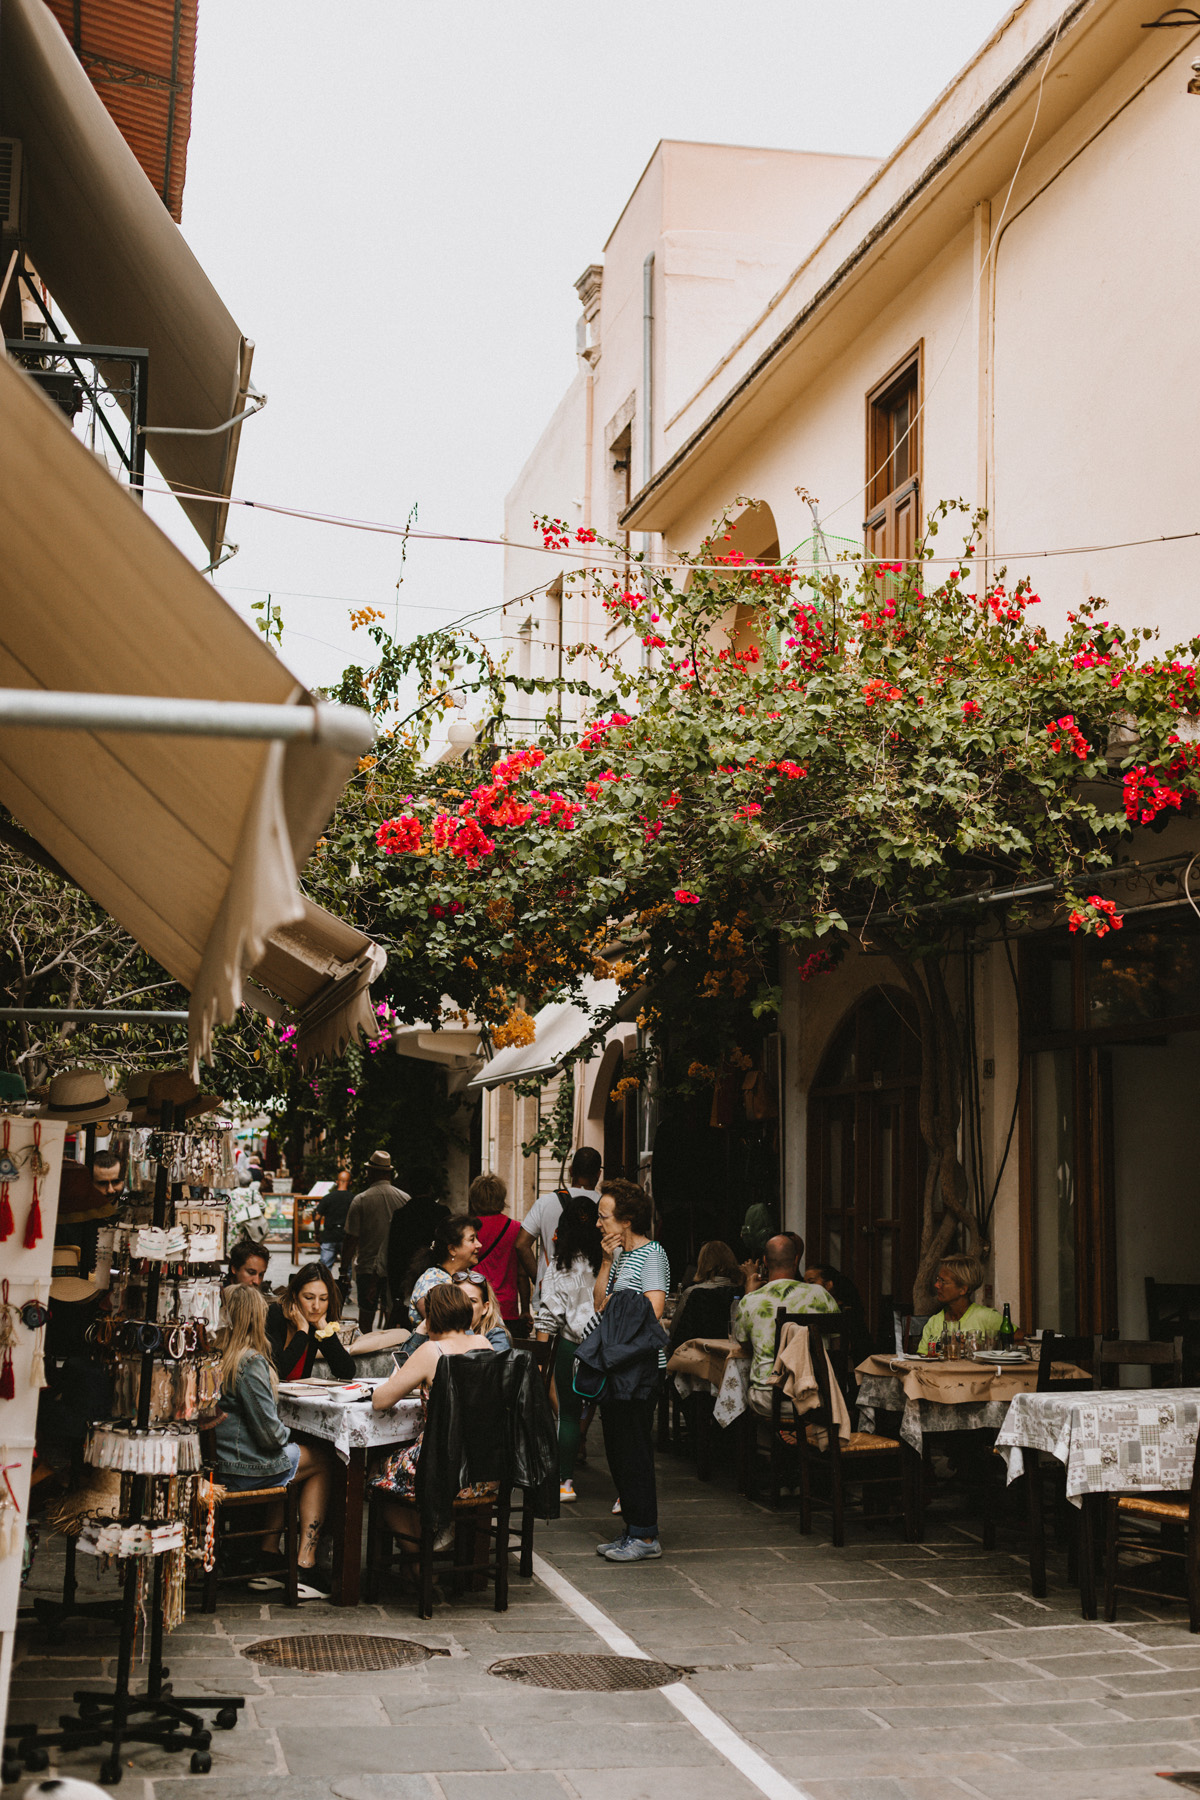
(1119, 1441)
(713, 1366)
(942, 1396)
(353, 1427)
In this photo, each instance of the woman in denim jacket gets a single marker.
(253, 1445)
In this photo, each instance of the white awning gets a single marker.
(192, 843)
(559, 1029)
(116, 262)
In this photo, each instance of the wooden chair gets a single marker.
(865, 1460)
(1054, 1349)
(1128, 1521)
(473, 1518)
(1173, 1309)
(1111, 1355)
(231, 1507)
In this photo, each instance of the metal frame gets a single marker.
(346, 728)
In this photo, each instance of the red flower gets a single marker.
(395, 836)
(685, 898)
(971, 709)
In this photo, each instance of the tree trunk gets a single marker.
(945, 1212)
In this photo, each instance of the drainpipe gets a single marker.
(647, 405)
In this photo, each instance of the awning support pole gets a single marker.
(347, 728)
(96, 1015)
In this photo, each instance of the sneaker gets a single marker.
(566, 1490)
(305, 1592)
(316, 1577)
(633, 1550)
(613, 1544)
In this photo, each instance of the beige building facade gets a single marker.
(1004, 309)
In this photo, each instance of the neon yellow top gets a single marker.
(976, 1318)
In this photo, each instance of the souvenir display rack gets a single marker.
(159, 1460)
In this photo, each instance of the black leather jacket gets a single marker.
(489, 1419)
(618, 1358)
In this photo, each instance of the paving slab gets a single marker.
(386, 1749)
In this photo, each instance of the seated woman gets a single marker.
(958, 1277)
(705, 1308)
(303, 1324)
(456, 1248)
(253, 1446)
(850, 1306)
(449, 1323)
(486, 1320)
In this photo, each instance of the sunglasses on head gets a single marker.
(479, 1281)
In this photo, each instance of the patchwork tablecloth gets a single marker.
(1116, 1442)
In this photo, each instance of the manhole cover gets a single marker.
(596, 1674)
(338, 1652)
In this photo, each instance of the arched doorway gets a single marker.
(866, 1159)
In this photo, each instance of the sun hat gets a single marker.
(79, 1097)
(66, 1283)
(12, 1087)
(176, 1086)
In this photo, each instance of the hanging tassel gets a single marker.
(33, 1228)
(8, 1386)
(37, 1366)
(6, 1214)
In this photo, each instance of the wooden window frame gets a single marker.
(882, 508)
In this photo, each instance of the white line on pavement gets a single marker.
(711, 1726)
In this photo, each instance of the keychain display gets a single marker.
(161, 1450)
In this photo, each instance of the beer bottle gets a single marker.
(1006, 1336)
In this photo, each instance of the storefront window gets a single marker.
(1135, 975)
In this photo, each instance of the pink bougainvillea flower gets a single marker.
(686, 898)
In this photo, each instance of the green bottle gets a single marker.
(1006, 1336)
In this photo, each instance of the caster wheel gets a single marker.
(174, 1744)
(37, 1760)
(201, 1762)
(10, 1769)
(110, 1773)
(200, 1740)
(226, 1719)
(165, 1672)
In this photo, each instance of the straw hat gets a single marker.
(79, 1097)
(176, 1086)
(66, 1283)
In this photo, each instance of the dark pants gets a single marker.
(368, 1287)
(629, 1447)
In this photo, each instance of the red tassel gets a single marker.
(8, 1386)
(33, 1228)
(6, 1214)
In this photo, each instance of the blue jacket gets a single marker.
(251, 1436)
(618, 1358)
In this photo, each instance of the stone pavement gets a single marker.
(882, 1671)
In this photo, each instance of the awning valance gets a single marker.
(559, 1029)
(116, 262)
(192, 844)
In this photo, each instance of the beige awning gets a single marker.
(116, 262)
(559, 1029)
(192, 844)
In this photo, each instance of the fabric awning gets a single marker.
(116, 262)
(192, 844)
(558, 1030)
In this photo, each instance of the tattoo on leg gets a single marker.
(312, 1533)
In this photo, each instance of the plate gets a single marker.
(1002, 1356)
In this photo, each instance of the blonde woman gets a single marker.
(486, 1320)
(253, 1445)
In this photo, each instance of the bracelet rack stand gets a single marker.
(119, 1716)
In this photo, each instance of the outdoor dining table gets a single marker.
(940, 1396)
(1115, 1441)
(717, 1366)
(332, 1412)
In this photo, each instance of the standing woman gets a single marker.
(253, 1445)
(501, 1259)
(566, 1307)
(631, 1260)
(303, 1324)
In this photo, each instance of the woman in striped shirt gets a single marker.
(632, 1259)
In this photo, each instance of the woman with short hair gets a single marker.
(957, 1279)
(254, 1449)
(500, 1258)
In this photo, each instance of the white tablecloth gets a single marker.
(731, 1396)
(1115, 1442)
(356, 1426)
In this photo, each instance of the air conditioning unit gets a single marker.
(10, 184)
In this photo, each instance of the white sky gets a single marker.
(395, 211)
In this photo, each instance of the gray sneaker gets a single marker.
(613, 1544)
(633, 1549)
